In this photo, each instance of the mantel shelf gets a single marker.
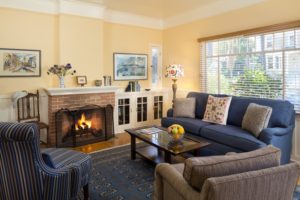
(80, 90)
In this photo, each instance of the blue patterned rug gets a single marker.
(116, 177)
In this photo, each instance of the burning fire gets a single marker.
(82, 123)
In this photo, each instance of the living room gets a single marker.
(245, 49)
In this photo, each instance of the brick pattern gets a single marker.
(55, 103)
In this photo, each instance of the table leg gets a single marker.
(133, 147)
(168, 158)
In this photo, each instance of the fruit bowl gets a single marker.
(176, 131)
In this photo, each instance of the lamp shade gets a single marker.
(174, 71)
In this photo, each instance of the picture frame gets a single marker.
(81, 80)
(130, 66)
(20, 62)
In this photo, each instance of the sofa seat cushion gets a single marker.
(232, 136)
(190, 125)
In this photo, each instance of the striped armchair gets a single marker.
(25, 175)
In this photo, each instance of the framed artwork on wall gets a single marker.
(20, 63)
(129, 66)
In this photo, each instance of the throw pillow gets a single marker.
(217, 109)
(256, 118)
(184, 107)
(198, 169)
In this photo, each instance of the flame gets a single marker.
(82, 123)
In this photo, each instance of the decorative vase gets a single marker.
(176, 132)
(61, 81)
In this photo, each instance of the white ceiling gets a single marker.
(160, 9)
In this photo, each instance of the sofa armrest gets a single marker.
(268, 133)
(166, 175)
(170, 112)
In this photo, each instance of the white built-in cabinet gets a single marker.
(136, 109)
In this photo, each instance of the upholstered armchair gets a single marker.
(25, 175)
(245, 176)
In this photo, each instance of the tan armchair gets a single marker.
(212, 178)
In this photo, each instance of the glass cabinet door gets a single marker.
(124, 111)
(141, 109)
(158, 107)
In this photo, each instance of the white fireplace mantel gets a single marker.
(80, 90)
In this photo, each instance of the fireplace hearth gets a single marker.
(83, 125)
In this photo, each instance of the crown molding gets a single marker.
(98, 11)
(84, 9)
(209, 10)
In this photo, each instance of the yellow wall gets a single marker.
(88, 44)
(181, 46)
(128, 39)
(28, 30)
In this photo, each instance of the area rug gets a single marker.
(115, 176)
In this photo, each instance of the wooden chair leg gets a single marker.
(86, 192)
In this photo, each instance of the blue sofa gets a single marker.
(231, 137)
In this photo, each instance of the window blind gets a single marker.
(265, 65)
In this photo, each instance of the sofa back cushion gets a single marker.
(198, 169)
(282, 111)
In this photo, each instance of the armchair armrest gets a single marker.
(167, 175)
(268, 133)
(67, 177)
(170, 112)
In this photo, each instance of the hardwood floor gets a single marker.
(118, 140)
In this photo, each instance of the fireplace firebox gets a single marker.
(84, 125)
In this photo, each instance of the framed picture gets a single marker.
(20, 63)
(129, 66)
(81, 80)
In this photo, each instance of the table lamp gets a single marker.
(174, 71)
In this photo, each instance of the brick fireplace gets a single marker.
(72, 98)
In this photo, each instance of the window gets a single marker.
(262, 65)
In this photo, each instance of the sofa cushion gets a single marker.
(191, 125)
(217, 109)
(198, 169)
(184, 107)
(282, 111)
(232, 136)
(256, 118)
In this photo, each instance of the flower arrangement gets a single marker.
(174, 71)
(61, 70)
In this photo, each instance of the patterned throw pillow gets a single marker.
(217, 109)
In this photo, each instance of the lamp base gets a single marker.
(174, 88)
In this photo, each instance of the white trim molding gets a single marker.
(99, 11)
(80, 90)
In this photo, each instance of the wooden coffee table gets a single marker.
(159, 149)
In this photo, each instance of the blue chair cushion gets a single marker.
(58, 158)
(191, 125)
(232, 136)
